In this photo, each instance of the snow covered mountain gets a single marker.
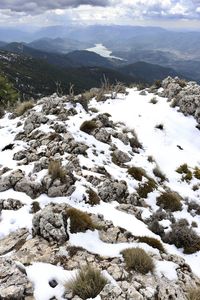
(85, 178)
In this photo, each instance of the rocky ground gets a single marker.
(82, 181)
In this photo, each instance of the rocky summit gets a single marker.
(100, 195)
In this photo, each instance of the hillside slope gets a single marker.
(131, 162)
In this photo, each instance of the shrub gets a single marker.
(153, 100)
(88, 283)
(197, 173)
(88, 126)
(193, 293)
(170, 200)
(134, 141)
(23, 107)
(79, 221)
(154, 243)
(56, 171)
(156, 227)
(144, 189)
(138, 260)
(183, 169)
(158, 173)
(2, 112)
(158, 83)
(137, 173)
(184, 237)
(93, 198)
(187, 174)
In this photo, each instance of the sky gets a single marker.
(164, 13)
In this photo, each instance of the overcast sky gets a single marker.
(166, 13)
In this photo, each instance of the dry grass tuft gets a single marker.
(154, 243)
(93, 198)
(137, 173)
(193, 293)
(79, 221)
(56, 170)
(144, 189)
(88, 283)
(138, 260)
(23, 107)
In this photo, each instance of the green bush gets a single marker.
(88, 126)
(183, 236)
(8, 95)
(154, 243)
(88, 283)
(56, 170)
(138, 260)
(79, 221)
(144, 189)
(170, 200)
(187, 174)
(137, 173)
(197, 173)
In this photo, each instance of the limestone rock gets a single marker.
(13, 283)
(51, 224)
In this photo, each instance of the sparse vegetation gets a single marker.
(88, 283)
(79, 221)
(8, 95)
(187, 174)
(183, 236)
(158, 84)
(154, 243)
(72, 250)
(88, 126)
(56, 170)
(138, 260)
(2, 112)
(137, 173)
(134, 142)
(193, 293)
(153, 100)
(93, 198)
(197, 173)
(144, 189)
(170, 201)
(23, 107)
(158, 173)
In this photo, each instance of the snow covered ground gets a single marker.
(177, 143)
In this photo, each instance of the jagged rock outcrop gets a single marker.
(13, 283)
(51, 224)
(185, 95)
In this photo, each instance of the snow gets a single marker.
(103, 51)
(41, 273)
(90, 241)
(136, 112)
